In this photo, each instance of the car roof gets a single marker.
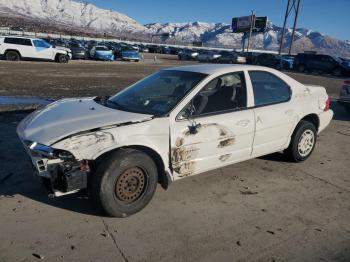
(210, 69)
(16, 36)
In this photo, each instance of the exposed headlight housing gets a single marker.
(49, 152)
(43, 150)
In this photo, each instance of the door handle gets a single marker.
(243, 123)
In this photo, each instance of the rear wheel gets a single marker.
(125, 182)
(337, 72)
(302, 143)
(347, 108)
(301, 68)
(12, 56)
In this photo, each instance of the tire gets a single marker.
(305, 135)
(347, 108)
(124, 183)
(12, 56)
(62, 59)
(337, 72)
(301, 68)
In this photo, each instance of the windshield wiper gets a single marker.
(116, 105)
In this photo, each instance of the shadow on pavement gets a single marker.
(17, 177)
(340, 113)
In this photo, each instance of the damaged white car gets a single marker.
(173, 124)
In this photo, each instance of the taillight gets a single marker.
(327, 105)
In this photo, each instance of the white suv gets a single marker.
(14, 48)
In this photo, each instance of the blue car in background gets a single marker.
(288, 61)
(101, 53)
(128, 54)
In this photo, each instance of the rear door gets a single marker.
(22, 45)
(219, 133)
(274, 112)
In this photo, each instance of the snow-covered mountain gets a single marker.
(221, 35)
(74, 17)
(71, 14)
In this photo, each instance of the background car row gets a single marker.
(109, 51)
(303, 62)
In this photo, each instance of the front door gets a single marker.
(42, 50)
(219, 131)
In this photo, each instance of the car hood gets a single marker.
(62, 48)
(67, 117)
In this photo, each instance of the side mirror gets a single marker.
(191, 110)
(188, 112)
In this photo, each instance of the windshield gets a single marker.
(101, 48)
(41, 43)
(157, 94)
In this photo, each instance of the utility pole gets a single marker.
(294, 26)
(252, 22)
(291, 4)
(284, 26)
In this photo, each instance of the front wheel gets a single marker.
(302, 143)
(125, 182)
(63, 59)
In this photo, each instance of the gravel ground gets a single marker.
(91, 78)
(264, 209)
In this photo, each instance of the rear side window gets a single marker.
(268, 88)
(18, 41)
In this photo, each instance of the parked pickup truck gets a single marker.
(173, 124)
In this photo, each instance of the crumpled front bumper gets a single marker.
(60, 176)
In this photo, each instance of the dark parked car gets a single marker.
(251, 57)
(188, 54)
(78, 51)
(231, 58)
(272, 60)
(321, 63)
(344, 96)
(155, 49)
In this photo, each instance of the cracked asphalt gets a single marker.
(264, 209)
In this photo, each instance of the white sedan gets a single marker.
(176, 123)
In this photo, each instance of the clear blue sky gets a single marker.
(330, 17)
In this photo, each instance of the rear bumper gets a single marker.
(325, 119)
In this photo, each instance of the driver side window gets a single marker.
(224, 93)
(40, 44)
